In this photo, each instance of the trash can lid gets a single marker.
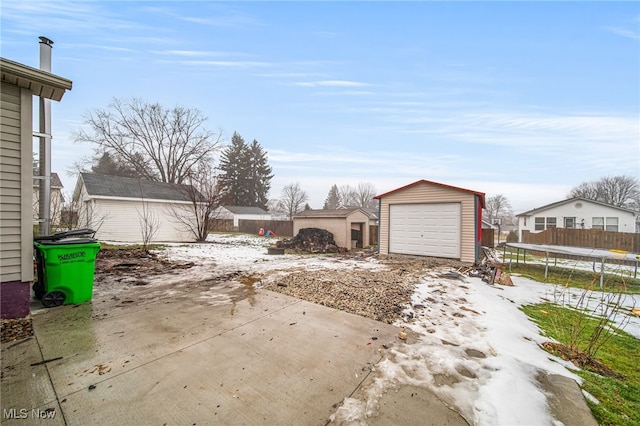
(65, 234)
(66, 241)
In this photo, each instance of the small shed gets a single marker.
(433, 219)
(122, 208)
(350, 227)
(236, 213)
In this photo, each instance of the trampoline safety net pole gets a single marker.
(546, 266)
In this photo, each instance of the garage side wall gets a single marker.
(120, 220)
(424, 194)
(337, 226)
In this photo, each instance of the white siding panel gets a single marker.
(119, 220)
(10, 185)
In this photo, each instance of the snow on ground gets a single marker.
(474, 348)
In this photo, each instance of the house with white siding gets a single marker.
(57, 199)
(236, 213)
(19, 84)
(577, 213)
(117, 208)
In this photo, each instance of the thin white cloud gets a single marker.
(200, 53)
(331, 83)
(634, 35)
(222, 64)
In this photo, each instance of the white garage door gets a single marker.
(425, 229)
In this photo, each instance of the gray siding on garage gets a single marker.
(15, 184)
(424, 192)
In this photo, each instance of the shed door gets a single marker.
(425, 229)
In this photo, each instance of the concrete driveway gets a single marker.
(256, 357)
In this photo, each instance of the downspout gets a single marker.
(44, 196)
(379, 217)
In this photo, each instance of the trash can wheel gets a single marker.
(53, 299)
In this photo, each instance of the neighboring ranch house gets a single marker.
(350, 227)
(577, 213)
(116, 207)
(20, 83)
(236, 213)
(428, 218)
(57, 199)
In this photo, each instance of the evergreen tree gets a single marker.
(246, 177)
(233, 174)
(259, 176)
(333, 199)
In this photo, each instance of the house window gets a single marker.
(570, 222)
(612, 224)
(543, 223)
(597, 222)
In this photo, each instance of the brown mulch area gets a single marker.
(16, 329)
(581, 359)
(125, 261)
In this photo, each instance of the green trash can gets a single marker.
(66, 268)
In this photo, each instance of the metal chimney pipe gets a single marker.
(44, 200)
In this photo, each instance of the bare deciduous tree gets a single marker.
(348, 196)
(620, 191)
(198, 216)
(293, 199)
(160, 144)
(149, 222)
(364, 193)
(497, 207)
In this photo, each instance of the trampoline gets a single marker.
(598, 255)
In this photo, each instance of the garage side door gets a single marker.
(425, 229)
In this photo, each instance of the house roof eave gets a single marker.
(41, 83)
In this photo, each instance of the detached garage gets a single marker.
(431, 219)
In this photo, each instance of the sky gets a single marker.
(523, 99)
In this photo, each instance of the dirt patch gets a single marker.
(581, 359)
(380, 294)
(136, 261)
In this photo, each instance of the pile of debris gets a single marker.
(491, 269)
(16, 329)
(312, 240)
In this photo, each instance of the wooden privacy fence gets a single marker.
(373, 235)
(282, 228)
(488, 238)
(590, 238)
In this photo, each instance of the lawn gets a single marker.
(610, 372)
(568, 275)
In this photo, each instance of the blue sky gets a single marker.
(525, 99)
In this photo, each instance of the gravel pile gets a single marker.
(379, 294)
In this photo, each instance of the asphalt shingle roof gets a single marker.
(117, 186)
(245, 210)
